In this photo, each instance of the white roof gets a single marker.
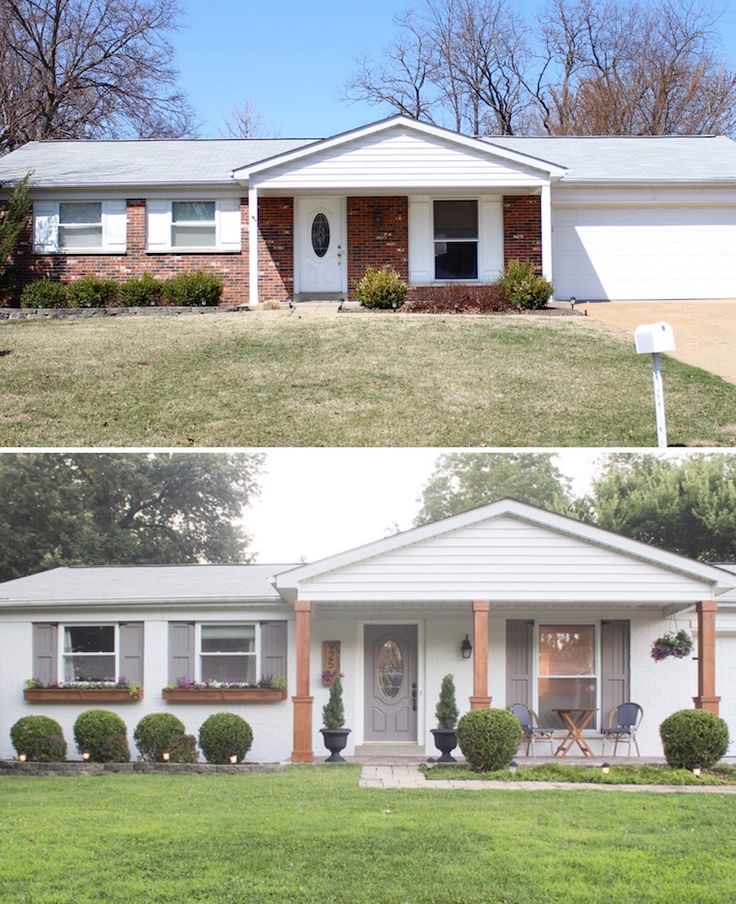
(668, 158)
(143, 584)
(113, 163)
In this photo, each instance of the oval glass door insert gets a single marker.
(320, 234)
(390, 669)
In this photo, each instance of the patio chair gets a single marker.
(530, 727)
(623, 722)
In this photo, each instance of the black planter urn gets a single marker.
(445, 740)
(335, 740)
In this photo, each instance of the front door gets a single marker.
(321, 245)
(391, 683)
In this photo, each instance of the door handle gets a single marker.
(414, 696)
(339, 254)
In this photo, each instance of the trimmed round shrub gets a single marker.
(92, 292)
(488, 738)
(142, 293)
(183, 749)
(40, 738)
(103, 735)
(154, 733)
(383, 289)
(44, 293)
(224, 735)
(199, 289)
(524, 286)
(693, 737)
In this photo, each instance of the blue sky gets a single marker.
(291, 57)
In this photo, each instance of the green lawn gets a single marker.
(311, 835)
(266, 379)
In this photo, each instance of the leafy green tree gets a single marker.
(461, 481)
(686, 506)
(119, 509)
(14, 215)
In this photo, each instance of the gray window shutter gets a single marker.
(181, 651)
(614, 666)
(273, 648)
(519, 665)
(45, 653)
(131, 652)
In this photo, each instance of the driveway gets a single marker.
(705, 331)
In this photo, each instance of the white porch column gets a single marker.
(253, 246)
(546, 205)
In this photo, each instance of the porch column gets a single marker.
(707, 698)
(546, 216)
(252, 246)
(480, 698)
(302, 752)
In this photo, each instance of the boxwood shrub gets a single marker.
(44, 293)
(183, 748)
(224, 735)
(524, 286)
(40, 738)
(93, 292)
(103, 735)
(693, 737)
(382, 289)
(488, 738)
(154, 733)
(142, 293)
(194, 289)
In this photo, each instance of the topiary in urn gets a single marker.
(445, 736)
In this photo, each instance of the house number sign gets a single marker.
(330, 661)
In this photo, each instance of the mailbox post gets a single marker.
(653, 338)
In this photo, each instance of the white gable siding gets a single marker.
(398, 159)
(505, 560)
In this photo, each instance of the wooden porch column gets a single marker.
(302, 752)
(707, 698)
(252, 247)
(546, 216)
(480, 698)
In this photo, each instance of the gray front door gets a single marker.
(391, 683)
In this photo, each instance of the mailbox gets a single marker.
(652, 338)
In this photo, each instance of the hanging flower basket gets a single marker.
(676, 644)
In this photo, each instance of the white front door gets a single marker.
(321, 257)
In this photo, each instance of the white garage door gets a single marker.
(726, 683)
(638, 253)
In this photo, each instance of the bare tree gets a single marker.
(246, 121)
(88, 69)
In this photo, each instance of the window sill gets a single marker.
(154, 251)
(223, 694)
(83, 252)
(81, 694)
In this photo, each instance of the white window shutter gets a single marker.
(158, 225)
(114, 225)
(421, 248)
(228, 224)
(45, 226)
(491, 238)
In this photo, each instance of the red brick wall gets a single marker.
(276, 248)
(522, 229)
(377, 244)
(275, 255)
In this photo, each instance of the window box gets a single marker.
(82, 695)
(223, 694)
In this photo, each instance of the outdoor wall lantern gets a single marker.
(377, 214)
(466, 647)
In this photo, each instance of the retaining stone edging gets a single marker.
(12, 767)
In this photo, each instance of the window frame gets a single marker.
(113, 222)
(62, 655)
(477, 241)
(214, 223)
(198, 653)
(595, 624)
(60, 227)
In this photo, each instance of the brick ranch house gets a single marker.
(603, 218)
(556, 612)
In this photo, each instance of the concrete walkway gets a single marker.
(390, 777)
(705, 331)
